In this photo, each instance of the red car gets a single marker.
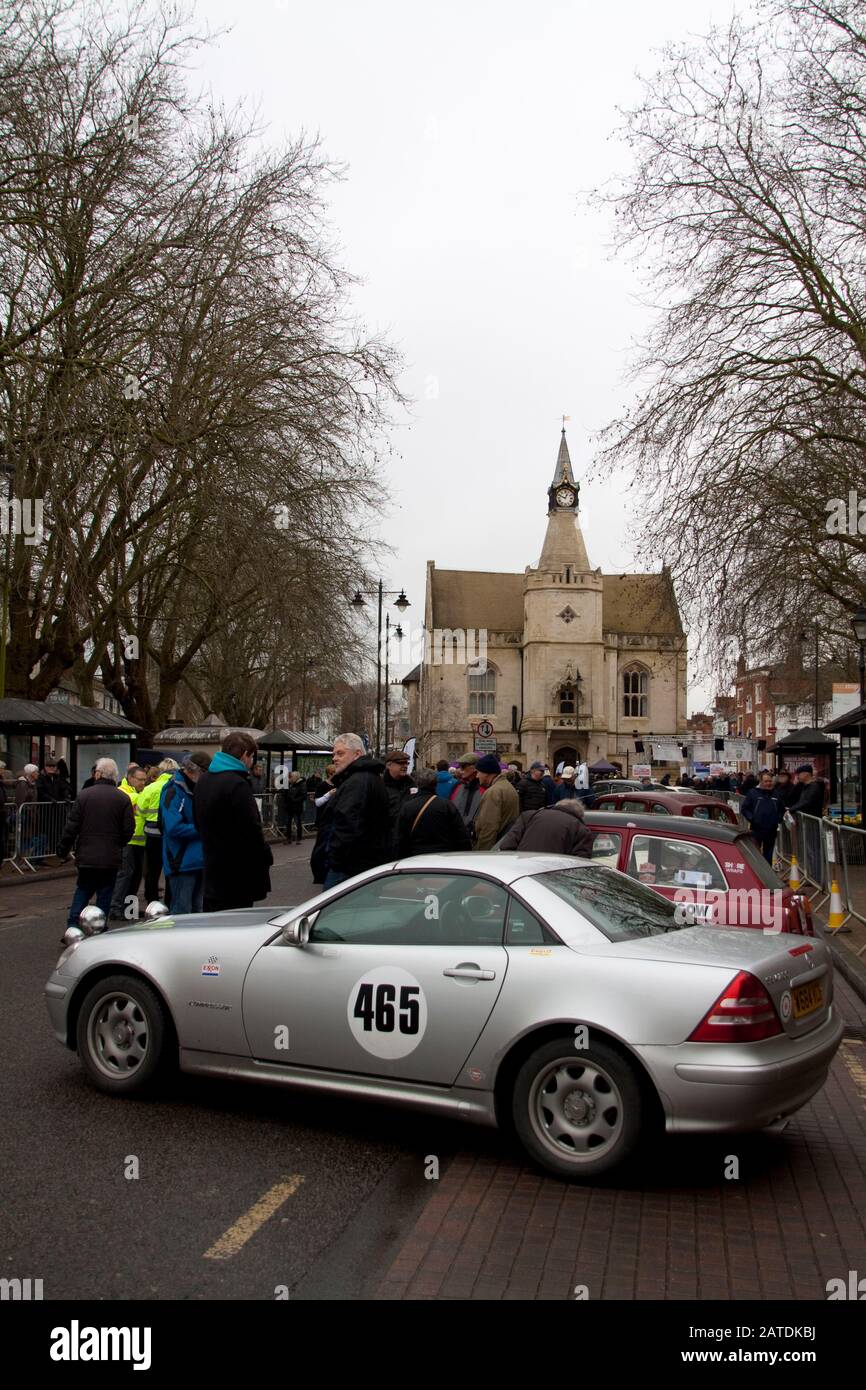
(667, 804)
(715, 870)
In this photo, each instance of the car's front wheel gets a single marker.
(122, 1034)
(578, 1113)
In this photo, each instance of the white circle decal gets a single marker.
(785, 1006)
(388, 1012)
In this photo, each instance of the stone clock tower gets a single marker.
(578, 666)
(565, 682)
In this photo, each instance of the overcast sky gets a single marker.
(469, 129)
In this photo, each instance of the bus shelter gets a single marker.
(300, 752)
(32, 729)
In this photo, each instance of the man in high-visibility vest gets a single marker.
(132, 864)
(148, 804)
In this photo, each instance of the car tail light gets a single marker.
(804, 907)
(743, 1012)
(792, 917)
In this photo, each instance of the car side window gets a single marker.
(606, 846)
(416, 910)
(525, 929)
(633, 806)
(664, 862)
(605, 806)
(659, 809)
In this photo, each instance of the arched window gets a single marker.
(482, 689)
(567, 699)
(635, 693)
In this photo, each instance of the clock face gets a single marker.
(565, 497)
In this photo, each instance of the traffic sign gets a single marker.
(485, 729)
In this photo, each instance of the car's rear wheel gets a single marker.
(578, 1113)
(122, 1034)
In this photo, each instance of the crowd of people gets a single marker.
(196, 826)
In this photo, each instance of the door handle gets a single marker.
(469, 971)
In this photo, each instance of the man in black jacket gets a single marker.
(236, 856)
(811, 798)
(100, 823)
(397, 782)
(533, 791)
(360, 835)
(50, 786)
(429, 824)
(785, 791)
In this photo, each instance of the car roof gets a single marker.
(676, 825)
(505, 865)
(671, 798)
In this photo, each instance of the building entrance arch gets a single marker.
(566, 754)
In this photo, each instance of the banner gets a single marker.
(739, 750)
(667, 750)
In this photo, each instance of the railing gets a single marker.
(827, 853)
(274, 815)
(31, 833)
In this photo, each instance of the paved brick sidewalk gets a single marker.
(495, 1228)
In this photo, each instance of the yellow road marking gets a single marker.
(236, 1237)
(854, 1065)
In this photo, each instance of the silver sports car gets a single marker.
(546, 993)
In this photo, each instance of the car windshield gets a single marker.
(766, 876)
(621, 909)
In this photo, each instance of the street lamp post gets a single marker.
(858, 623)
(309, 663)
(398, 633)
(9, 471)
(402, 603)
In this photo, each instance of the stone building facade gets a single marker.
(579, 664)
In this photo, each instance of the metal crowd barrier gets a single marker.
(827, 852)
(32, 832)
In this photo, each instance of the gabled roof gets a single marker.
(631, 603)
(477, 598)
(639, 603)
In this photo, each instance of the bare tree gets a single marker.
(746, 206)
(182, 380)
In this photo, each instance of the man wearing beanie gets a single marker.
(499, 804)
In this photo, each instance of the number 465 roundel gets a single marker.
(388, 1012)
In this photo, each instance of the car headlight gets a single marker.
(70, 950)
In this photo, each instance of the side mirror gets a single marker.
(297, 931)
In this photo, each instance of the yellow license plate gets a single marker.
(808, 998)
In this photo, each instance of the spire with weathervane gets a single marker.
(563, 543)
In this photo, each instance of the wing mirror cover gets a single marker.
(297, 931)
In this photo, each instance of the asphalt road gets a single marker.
(328, 1188)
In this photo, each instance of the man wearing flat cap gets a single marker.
(398, 783)
(466, 796)
(499, 807)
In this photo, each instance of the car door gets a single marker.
(398, 979)
(680, 870)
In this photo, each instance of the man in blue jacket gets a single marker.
(182, 853)
(763, 812)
